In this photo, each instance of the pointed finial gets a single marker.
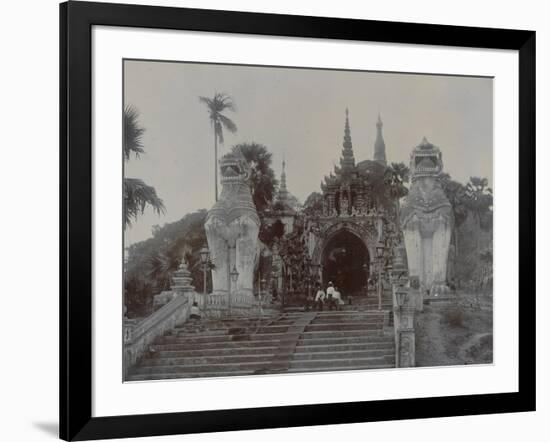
(379, 145)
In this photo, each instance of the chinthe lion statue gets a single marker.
(232, 227)
(426, 218)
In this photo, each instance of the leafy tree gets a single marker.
(133, 133)
(137, 295)
(395, 177)
(152, 262)
(479, 200)
(456, 194)
(269, 232)
(313, 204)
(216, 105)
(293, 251)
(262, 177)
(137, 194)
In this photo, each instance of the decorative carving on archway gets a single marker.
(364, 231)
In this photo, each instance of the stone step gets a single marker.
(201, 368)
(336, 327)
(207, 360)
(369, 366)
(198, 352)
(341, 333)
(230, 345)
(330, 363)
(343, 340)
(166, 376)
(256, 341)
(271, 328)
(345, 354)
(228, 323)
(185, 351)
(191, 333)
(340, 314)
(349, 319)
(359, 346)
(233, 368)
(198, 339)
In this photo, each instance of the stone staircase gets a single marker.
(291, 342)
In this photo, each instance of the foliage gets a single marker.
(219, 103)
(293, 252)
(151, 262)
(137, 194)
(456, 194)
(270, 232)
(395, 177)
(137, 295)
(479, 200)
(313, 204)
(262, 177)
(133, 133)
(216, 105)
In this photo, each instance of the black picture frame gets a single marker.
(76, 21)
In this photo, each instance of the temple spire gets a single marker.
(282, 195)
(347, 161)
(379, 145)
(283, 178)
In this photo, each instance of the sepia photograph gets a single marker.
(283, 220)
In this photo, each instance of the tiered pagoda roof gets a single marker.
(353, 184)
(363, 172)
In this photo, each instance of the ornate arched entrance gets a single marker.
(345, 261)
(342, 250)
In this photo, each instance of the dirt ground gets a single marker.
(455, 334)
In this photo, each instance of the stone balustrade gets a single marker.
(138, 338)
(217, 304)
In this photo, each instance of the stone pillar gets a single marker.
(405, 352)
(404, 327)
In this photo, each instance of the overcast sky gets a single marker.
(297, 114)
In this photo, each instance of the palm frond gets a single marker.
(224, 102)
(133, 133)
(206, 100)
(137, 196)
(219, 131)
(228, 123)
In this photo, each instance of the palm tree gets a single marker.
(479, 198)
(216, 105)
(133, 133)
(396, 175)
(137, 194)
(262, 179)
(456, 194)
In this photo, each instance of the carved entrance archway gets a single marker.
(344, 254)
(345, 262)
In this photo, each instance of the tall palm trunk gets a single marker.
(216, 163)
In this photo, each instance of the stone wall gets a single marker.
(138, 338)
